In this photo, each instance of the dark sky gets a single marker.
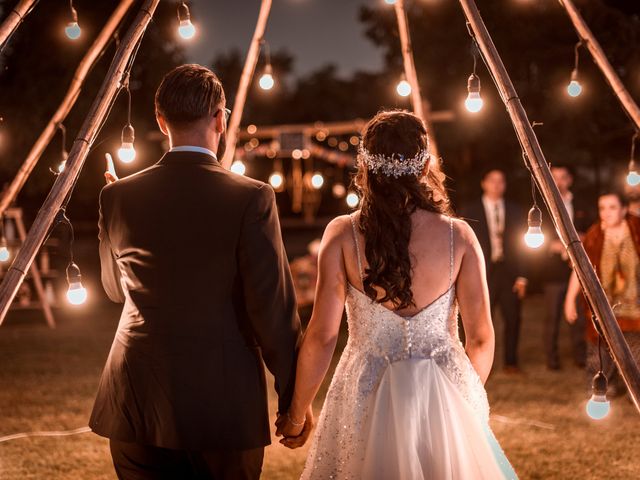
(315, 32)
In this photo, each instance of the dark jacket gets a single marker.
(515, 226)
(195, 253)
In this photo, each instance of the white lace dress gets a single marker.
(405, 401)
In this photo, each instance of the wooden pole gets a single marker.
(65, 107)
(421, 107)
(13, 20)
(600, 59)
(537, 163)
(245, 80)
(79, 151)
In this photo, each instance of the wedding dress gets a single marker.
(405, 402)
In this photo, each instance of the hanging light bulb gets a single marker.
(598, 405)
(72, 30)
(403, 88)
(186, 30)
(317, 180)
(534, 238)
(276, 180)
(266, 79)
(633, 177)
(353, 199)
(474, 101)
(574, 89)
(126, 152)
(238, 167)
(4, 250)
(76, 294)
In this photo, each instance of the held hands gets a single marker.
(295, 431)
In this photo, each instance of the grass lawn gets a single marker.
(48, 380)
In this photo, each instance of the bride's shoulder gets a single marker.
(464, 234)
(338, 230)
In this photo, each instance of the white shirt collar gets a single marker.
(193, 148)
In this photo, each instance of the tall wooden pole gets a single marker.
(537, 163)
(16, 15)
(245, 80)
(63, 110)
(79, 151)
(600, 59)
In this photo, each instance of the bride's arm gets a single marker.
(473, 300)
(320, 339)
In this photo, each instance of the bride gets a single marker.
(407, 399)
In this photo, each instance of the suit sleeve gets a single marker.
(110, 273)
(268, 291)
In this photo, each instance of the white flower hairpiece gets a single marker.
(395, 165)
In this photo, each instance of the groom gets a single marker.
(195, 254)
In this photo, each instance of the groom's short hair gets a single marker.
(187, 94)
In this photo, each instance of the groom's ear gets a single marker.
(162, 123)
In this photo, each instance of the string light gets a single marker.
(574, 89)
(317, 180)
(5, 254)
(474, 102)
(72, 30)
(598, 405)
(353, 200)
(186, 30)
(534, 238)
(633, 177)
(238, 167)
(276, 179)
(266, 81)
(403, 88)
(76, 293)
(127, 152)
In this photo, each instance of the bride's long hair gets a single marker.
(388, 202)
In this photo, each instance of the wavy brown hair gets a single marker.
(388, 202)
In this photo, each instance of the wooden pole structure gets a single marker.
(79, 151)
(13, 20)
(421, 107)
(539, 168)
(245, 80)
(600, 59)
(65, 107)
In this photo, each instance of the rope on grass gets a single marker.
(60, 433)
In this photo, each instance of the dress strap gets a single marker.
(451, 251)
(355, 239)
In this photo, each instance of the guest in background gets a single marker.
(613, 246)
(556, 270)
(499, 225)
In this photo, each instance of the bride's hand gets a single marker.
(295, 432)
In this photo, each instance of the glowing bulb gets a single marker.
(72, 30)
(598, 407)
(574, 88)
(238, 167)
(338, 190)
(633, 178)
(4, 253)
(317, 180)
(61, 166)
(276, 180)
(534, 238)
(474, 102)
(77, 294)
(353, 200)
(126, 152)
(186, 29)
(403, 88)
(266, 81)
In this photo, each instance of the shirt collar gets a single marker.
(194, 148)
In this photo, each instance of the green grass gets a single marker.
(48, 379)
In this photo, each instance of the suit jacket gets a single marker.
(515, 226)
(195, 253)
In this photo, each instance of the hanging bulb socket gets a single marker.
(183, 12)
(128, 134)
(473, 83)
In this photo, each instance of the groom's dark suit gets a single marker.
(196, 255)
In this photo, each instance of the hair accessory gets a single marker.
(396, 165)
